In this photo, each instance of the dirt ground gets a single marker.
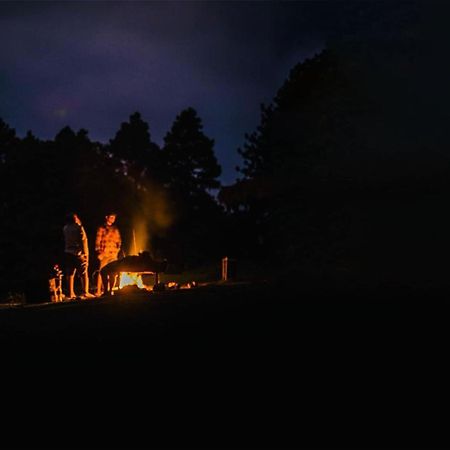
(234, 365)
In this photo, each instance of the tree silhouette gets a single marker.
(192, 171)
(132, 144)
(292, 159)
(7, 140)
(191, 164)
(346, 164)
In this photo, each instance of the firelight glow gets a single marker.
(139, 238)
(131, 279)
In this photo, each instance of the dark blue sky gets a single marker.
(91, 64)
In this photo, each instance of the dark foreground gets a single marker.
(227, 366)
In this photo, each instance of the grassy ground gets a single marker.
(224, 365)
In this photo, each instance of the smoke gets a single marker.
(153, 215)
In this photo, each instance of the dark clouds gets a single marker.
(91, 64)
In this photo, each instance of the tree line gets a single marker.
(168, 191)
(346, 179)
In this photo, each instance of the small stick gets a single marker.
(134, 242)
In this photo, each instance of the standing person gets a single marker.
(76, 251)
(107, 246)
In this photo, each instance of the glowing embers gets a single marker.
(132, 279)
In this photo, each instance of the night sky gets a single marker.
(91, 64)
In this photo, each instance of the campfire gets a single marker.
(131, 279)
(138, 264)
(142, 280)
(130, 270)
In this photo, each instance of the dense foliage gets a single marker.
(346, 174)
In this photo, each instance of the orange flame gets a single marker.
(130, 279)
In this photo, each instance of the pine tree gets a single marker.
(344, 147)
(191, 164)
(7, 139)
(132, 145)
(192, 171)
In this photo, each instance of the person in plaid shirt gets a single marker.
(107, 246)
